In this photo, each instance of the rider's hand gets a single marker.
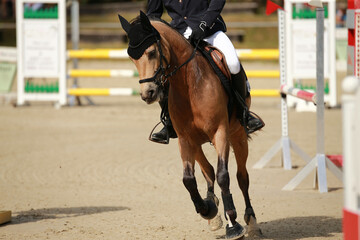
(199, 32)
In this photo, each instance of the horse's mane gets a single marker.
(152, 18)
(137, 20)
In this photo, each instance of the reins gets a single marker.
(184, 63)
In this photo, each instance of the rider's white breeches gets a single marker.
(222, 42)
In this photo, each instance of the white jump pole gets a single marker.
(320, 136)
(75, 39)
(320, 162)
(75, 35)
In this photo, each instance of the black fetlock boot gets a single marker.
(239, 81)
(233, 229)
(167, 131)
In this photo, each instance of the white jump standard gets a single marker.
(284, 143)
(41, 49)
(320, 161)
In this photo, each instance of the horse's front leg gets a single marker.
(205, 207)
(221, 142)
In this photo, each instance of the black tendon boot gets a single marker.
(239, 81)
(167, 131)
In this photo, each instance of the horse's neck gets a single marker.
(181, 82)
(180, 51)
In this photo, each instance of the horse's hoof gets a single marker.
(212, 209)
(216, 223)
(235, 232)
(254, 229)
(249, 212)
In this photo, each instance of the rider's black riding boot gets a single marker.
(167, 131)
(239, 81)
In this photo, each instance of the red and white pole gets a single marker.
(353, 37)
(351, 127)
(351, 165)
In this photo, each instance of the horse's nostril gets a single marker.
(151, 93)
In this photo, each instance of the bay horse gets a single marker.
(197, 104)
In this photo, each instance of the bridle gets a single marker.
(161, 70)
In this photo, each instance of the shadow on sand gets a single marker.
(298, 228)
(301, 227)
(34, 215)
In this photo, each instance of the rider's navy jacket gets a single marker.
(190, 13)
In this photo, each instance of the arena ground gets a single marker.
(89, 172)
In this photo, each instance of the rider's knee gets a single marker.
(234, 66)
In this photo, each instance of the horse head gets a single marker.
(149, 54)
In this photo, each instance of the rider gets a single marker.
(201, 20)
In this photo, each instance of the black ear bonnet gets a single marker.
(140, 39)
(141, 35)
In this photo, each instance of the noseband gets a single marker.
(161, 70)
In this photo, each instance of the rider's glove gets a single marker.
(199, 32)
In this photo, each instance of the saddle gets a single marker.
(219, 59)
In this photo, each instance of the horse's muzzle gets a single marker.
(149, 96)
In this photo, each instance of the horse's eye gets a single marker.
(152, 54)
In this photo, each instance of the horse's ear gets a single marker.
(145, 22)
(124, 23)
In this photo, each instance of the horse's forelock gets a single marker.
(135, 21)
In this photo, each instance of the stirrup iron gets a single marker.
(161, 142)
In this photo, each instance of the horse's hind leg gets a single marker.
(206, 208)
(240, 146)
(233, 229)
(209, 174)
